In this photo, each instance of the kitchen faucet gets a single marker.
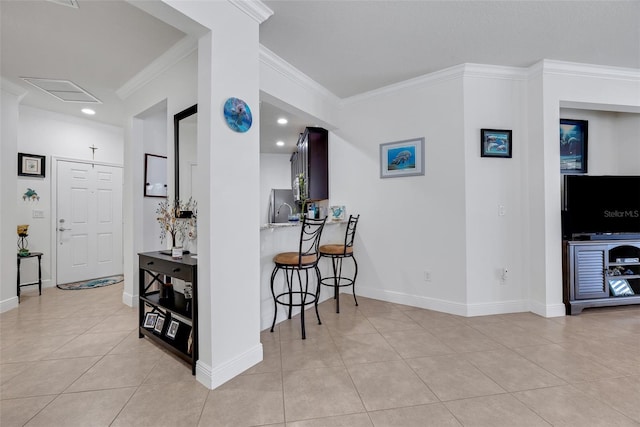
(288, 205)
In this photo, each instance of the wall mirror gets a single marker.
(155, 175)
(186, 152)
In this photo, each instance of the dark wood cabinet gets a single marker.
(589, 266)
(311, 159)
(178, 332)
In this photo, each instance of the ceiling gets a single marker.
(349, 47)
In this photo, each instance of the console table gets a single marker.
(39, 282)
(171, 323)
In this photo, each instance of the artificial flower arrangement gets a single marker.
(178, 220)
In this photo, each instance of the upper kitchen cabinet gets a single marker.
(311, 159)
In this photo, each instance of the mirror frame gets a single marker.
(176, 135)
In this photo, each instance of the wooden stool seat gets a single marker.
(335, 249)
(294, 258)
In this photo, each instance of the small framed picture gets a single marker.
(402, 158)
(573, 146)
(338, 213)
(159, 324)
(172, 330)
(31, 165)
(150, 320)
(495, 143)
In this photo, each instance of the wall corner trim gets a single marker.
(215, 377)
(172, 56)
(257, 10)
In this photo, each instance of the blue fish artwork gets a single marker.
(401, 158)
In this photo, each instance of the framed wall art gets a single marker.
(573, 146)
(31, 165)
(496, 143)
(402, 158)
(155, 176)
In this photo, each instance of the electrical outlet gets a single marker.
(501, 210)
(504, 274)
(427, 276)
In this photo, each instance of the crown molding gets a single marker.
(279, 65)
(172, 56)
(495, 72)
(446, 74)
(575, 69)
(257, 10)
(12, 88)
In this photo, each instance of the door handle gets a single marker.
(64, 229)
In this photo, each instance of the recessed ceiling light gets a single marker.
(88, 111)
(282, 121)
(280, 143)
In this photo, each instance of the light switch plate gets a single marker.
(37, 213)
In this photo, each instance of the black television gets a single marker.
(602, 206)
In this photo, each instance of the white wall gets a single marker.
(494, 98)
(56, 136)
(275, 172)
(10, 96)
(414, 224)
(174, 89)
(154, 140)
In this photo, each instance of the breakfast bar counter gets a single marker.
(285, 237)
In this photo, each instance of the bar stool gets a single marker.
(294, 262)
(338, 252)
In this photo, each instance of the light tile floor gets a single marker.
(73, 358)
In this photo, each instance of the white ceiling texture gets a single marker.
(349, 47)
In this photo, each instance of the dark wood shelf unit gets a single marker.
(155, 268)
(587, 269)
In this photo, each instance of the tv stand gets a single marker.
(589, 265)
(606, 236)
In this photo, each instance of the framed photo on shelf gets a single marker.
(496, 143)
(159, 324)
(31, 165)
(150, 320)
(402, 158)
(172, 330)
(573, 145)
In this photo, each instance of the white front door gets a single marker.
(89, 221)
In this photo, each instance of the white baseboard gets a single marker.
(550, 310)
(8, 304)
(215, 377)
(461, 309)
(130, 300)
(414, 300)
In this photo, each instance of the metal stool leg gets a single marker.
(318, 293)
(303, 294)
(275, 303)
(353, 284)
